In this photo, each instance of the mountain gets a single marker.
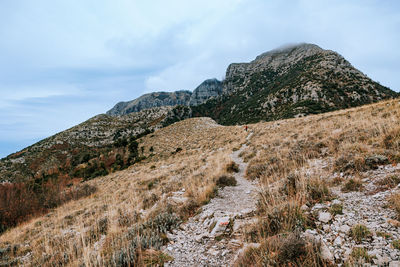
(289, 82)
(312, 191)
(151, 100)
(89, 149)
(208, 89)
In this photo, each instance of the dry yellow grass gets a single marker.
(82, 231)
(291, 158)
(296, 160)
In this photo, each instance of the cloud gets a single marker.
(62, 62)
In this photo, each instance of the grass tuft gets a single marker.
(359, 232)
(352, 185)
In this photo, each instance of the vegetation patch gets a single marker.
(359, 232)
(336, 209)
(232, 167)
(21, 201)
(394, 201)
(396, 244)
(352, 184)
(318, 190)
(359, 256)
(225, 180)
(390, 181)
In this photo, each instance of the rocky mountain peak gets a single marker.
(278, 59)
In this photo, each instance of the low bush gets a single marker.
(138, 239)
(283, 250)
(22, 201)
(232, 167)
(392, 139)
(396, 244)
(389, 181)
(225, 180)
(336, 209)
(352, 185)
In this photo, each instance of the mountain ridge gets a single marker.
(207, 89)
(292, 80)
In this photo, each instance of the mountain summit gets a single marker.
(290, 81)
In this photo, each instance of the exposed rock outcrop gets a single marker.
(151, 100)
(206, 90)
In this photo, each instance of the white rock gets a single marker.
(336, 202)
(304, 207)
(319, 206)
(338, 241)
(324, 217)
(326, 253)
(344, 228)
(374, 252)
(382, 260)
(394, 264)
(220, 226)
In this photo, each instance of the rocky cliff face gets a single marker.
(208, 89)
(289, 82)
(151, 100)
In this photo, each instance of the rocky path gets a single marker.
(367, 207)
(212, 237)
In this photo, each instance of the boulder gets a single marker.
(324, 217)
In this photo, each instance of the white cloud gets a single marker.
(62, 62)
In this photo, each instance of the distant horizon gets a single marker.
(64, 62)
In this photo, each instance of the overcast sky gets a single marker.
(62, 62)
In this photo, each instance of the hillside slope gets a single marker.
(95, 142)
(328, 194)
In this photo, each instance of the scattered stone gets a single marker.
(338, 241)
(324, 217)
(368, 207)
(344, 228)
(326, 253)
(194, 245)
(374, 161)
(220, 226)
